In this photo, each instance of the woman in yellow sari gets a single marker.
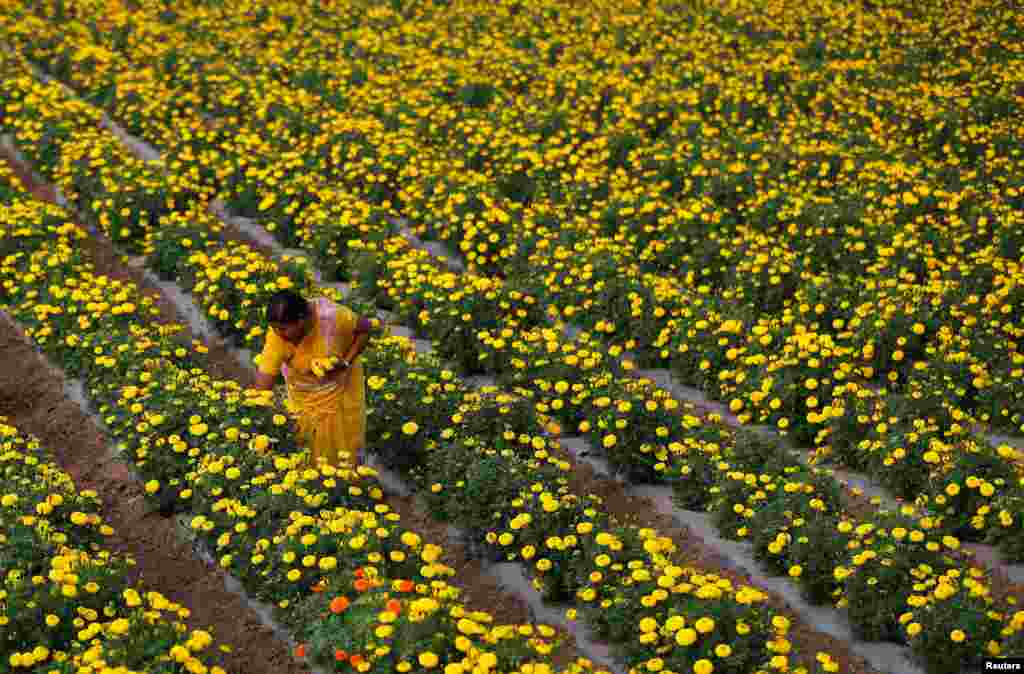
(330, 409)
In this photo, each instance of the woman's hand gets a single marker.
(339, 374)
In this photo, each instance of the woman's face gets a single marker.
(291, 332)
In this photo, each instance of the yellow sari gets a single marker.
(331, 418)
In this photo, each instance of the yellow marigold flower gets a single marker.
(675, 623)
(705, 625)
(686, 636)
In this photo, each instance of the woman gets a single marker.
(331, 410)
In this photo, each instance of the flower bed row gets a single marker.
(809, 499)
(312, 542)
(66, 603)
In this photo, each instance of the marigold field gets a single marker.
(810, 212)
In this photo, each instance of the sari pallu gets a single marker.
(331, 419)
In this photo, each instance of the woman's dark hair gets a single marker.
(287, 306)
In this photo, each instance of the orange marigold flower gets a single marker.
(339, 604)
